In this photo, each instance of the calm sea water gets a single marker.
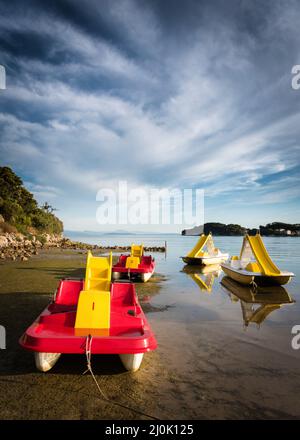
(285, 251)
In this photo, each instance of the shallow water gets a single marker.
(231, 353)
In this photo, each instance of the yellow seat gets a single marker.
(93, 310)
(132, 262)
(253, 267)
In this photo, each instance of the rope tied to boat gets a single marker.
(88, 353)
(254, 285)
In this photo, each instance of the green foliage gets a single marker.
(280, 229)
(41, 239)
(20, 209)
(221, 229)
(45, 221)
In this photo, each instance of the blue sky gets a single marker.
(193, 94)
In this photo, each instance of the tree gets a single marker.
(19, 207)
(48, 208)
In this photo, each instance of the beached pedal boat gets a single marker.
(84, 314)
(254, 265)
(197, 256)
(54, 332)
(136, 265)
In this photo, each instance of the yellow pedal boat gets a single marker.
(197, 256)
(254, 265)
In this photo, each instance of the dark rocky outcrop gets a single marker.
(216, 229)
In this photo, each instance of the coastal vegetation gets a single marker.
(275, 229)
(280, 229)
(20, 211)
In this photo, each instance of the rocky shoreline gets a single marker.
(16, 246)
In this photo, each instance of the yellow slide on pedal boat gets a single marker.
(254, 265)
(197, 256)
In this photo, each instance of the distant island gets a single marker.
(275, 229)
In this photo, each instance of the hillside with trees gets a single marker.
(216, 229)
(275, 229)
(20, 210)
(280, 229)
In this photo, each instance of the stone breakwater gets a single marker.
(66, 243)
(16, 246)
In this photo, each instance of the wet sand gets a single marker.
(205, 367)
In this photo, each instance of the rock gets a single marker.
(11, 238)
(24, 258)
(3, 241)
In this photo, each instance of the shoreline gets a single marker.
(16, 246)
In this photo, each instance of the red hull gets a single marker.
(54, 332)
(146, 265)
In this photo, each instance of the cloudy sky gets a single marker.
(173, 94)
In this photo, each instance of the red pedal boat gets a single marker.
(54, 332)
(134, 265)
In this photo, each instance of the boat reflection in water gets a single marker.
(256, 302)
(203, 276)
